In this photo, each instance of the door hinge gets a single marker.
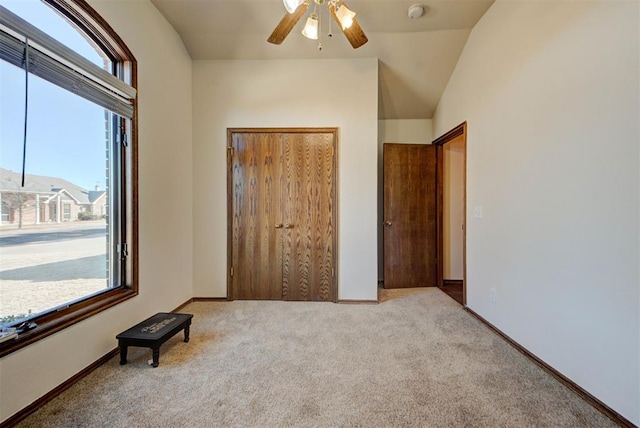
(231, 151)
(231, 270)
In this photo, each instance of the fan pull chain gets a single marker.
(319, 30)
(26, 108)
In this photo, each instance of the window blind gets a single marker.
(56, 63)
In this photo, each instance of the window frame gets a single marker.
(124, 66)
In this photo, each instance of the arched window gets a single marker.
(68, 167)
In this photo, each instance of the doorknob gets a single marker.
(278, 225)
(288, 226)
(387, 223)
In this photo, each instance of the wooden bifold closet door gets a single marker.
(282, 214)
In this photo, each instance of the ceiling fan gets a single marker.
(296, 9)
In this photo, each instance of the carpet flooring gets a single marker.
(416, 359)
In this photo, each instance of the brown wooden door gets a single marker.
(282, 214)
(410, 245)
(256, 212)
(309, 217)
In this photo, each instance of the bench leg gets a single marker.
(123, 354)
(186, 333)
(156, 357)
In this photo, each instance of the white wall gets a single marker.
(166, 226)
(305, 93)
(550, 92)
(410, 131)
(453, 209)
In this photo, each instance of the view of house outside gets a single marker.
(52, 244)
(53, 227)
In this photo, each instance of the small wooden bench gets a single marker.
(153, 332)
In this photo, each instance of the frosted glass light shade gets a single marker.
(345, 16)
(310, 30)
(292, 5)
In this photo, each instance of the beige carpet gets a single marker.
(416, 359)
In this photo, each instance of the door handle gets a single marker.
(278, 225)
(387, 223)
(288, 226)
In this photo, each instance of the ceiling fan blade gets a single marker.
(286, 24)
(354, 33)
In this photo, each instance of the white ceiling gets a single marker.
(416, 56)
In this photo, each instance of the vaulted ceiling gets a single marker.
(416, 56)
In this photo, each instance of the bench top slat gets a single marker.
(155, 327)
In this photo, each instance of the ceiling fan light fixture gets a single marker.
(292, 5)
(345, 16)
(310, 30)
(337, 10)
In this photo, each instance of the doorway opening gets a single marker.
(451, 216)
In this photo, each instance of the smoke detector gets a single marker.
(415, 11)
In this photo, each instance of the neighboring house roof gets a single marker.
(94, 195)
(11, 181)
(52, 197)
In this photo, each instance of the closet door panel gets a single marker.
(256, 249)
(308, 253)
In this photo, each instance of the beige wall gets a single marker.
(550, 91)
(405, 131)
(304, 93)
(410, 131)
(165, 199)
(453, 209)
